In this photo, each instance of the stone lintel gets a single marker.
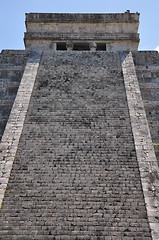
(82, 36)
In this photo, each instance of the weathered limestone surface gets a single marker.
(147, 70)
(12, 64)
(146, 157)
(76, 174)
(83, 18)
(14, 126)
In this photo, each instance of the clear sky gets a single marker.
(12, 17)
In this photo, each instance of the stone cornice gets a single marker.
(82, 18)
(82, 36)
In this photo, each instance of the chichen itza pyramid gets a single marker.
(79, 130)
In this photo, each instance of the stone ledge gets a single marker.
(14, 52)
(82, 18)
(83, 36)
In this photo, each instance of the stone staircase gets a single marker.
(76, 175)
(12, 64)
(147, 70)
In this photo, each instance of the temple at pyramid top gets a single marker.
(82, 32)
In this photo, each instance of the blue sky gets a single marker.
(12, 17)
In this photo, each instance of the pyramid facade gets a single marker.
(79, 131)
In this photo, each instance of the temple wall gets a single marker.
(83, 27)
(12, 65)
(147, 70)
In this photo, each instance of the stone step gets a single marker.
(5, 112)
(14, 75)
(152, 118)
(146, 58)
(149, 86)
(155, 143)
(8, 52)
(2, 126)
(12, 61)
(10, 89)
(8, 95)
(13, 57)
(5, 82)
(149, 91)
(148, 75)
(150, 104)
(156, 146)
(5, 103)
(11, 68)
(155, 140)
(147, 69)
(149, 94)
(154, 123)
(143, 80)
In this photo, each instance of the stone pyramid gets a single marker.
(79, 129)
